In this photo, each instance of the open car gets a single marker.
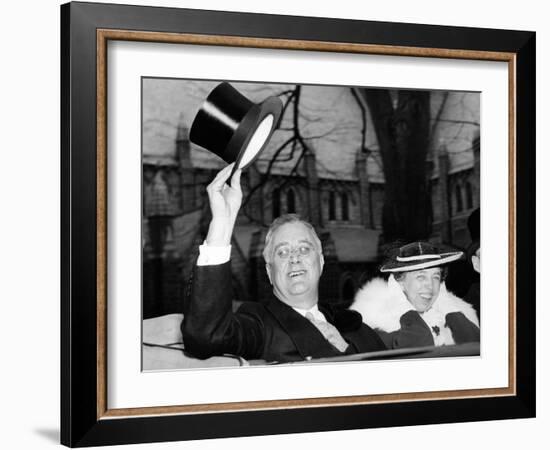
(164, 349)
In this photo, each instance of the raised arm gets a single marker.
(225, 202)
(209, 326)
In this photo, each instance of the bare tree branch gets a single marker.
(437, 119)
(461, 122)
(363, 118)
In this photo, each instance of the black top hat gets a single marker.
(234, 128)
(418, 255)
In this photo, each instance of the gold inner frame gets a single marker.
(103, 36)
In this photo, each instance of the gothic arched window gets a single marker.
(276, 203)
(290, 201)
(331, 206)
(458, 195)
(469, 196)
(345, 207)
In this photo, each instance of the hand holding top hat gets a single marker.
(225, 197)
(237, 130)
(234, 128)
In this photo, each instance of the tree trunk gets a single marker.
(403, 138)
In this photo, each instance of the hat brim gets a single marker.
(245, 131)
(418, 264)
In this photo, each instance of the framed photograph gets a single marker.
(409, 149)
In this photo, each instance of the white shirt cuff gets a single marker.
(211, 256)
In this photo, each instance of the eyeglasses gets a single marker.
(286, 252)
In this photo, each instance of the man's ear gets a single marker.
(322, 262)
(268, 270)
(476, 263)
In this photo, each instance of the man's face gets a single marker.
(296, 265)
(421, 287)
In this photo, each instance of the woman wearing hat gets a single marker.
(413, 307)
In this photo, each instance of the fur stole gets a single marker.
(383, 303)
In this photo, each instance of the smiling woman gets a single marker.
(414, 308)
(421, 287)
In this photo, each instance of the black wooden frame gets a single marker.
(80, 425)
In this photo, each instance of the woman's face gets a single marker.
(421, 287)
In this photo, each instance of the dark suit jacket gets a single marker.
(272, 331)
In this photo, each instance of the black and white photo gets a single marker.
(377, 184)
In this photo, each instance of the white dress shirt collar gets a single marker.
(318, 315)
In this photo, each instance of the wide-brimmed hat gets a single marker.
(234, 128)
(416, 256)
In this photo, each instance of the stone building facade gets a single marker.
(346, 213)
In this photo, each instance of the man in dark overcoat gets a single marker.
(291, 325)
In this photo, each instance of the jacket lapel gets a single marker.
(348, 323)
(306, 337)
